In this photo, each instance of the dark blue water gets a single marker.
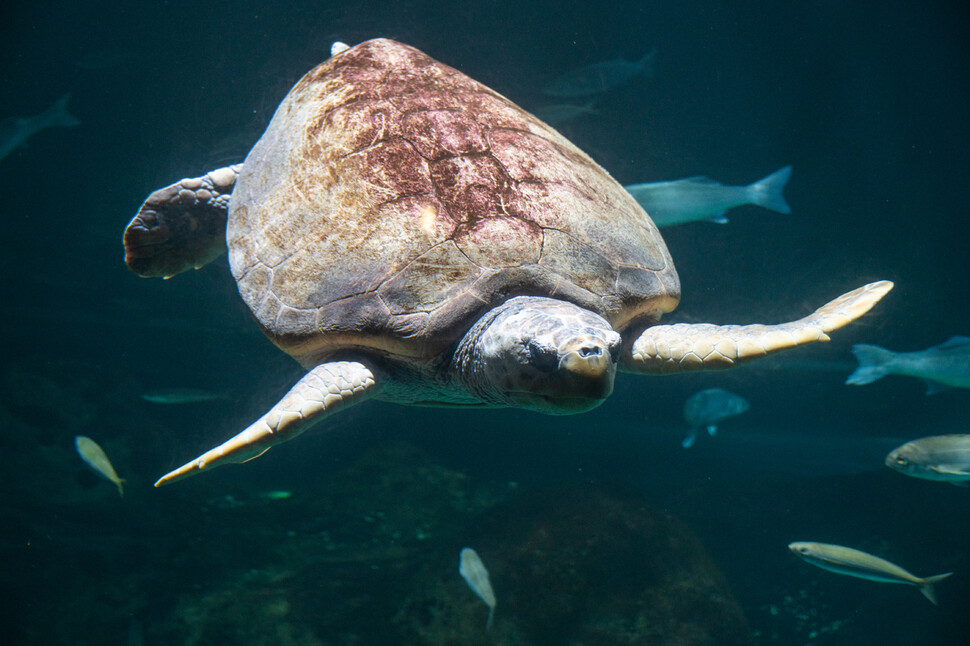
(867, 102)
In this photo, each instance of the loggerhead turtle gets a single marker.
(408, 234)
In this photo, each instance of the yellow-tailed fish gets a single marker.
(94, 456)
(472, 569)
(845, 560)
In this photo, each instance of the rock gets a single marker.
(580, 564)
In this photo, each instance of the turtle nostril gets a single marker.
(590, 351)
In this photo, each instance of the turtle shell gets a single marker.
(393, 200)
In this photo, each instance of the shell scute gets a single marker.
(501, 241)
(429, 280)
(393, 169)
(443, 133)
(362, 123)
(471, 187)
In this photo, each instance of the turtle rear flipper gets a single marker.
(683, 347)
(182, 226)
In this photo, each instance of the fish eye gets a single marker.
(902, 462)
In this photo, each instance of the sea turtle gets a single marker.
(408, 234)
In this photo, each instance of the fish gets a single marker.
(945, 458)
(597, 78)
(943, 366)
(180, 396)
(561, 112)
(16, 130)
(274, 495)
(94, 456)
(696, 199)
(472, 569)
(708, 407)
(845, 560)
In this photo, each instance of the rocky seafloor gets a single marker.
(367, 554)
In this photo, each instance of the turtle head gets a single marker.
(541, 354)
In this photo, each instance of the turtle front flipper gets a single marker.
(182, 226)
(664, 349)
(321, 392)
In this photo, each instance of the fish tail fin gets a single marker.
(491, 614)
(767, 191)
(58, 115)
(926, 587)
(874, 363)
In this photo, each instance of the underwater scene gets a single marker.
(631, 323)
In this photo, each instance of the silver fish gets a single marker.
(845, 560)
(95, 457)
(708, 407)
(942, 366)
(699, 198)
(180, 396)
(599, 77)
(945, 458)
(561, 112)
(472, 569)
(15, 131)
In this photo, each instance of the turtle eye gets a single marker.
(542, 357)
(615, 349)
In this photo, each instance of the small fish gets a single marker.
(699, 198)
(94, 456)
(471, 568)
(274, 495)
(945, 458)
(562, 112)
(845, 560)
(180, 396)
(708, 407)
(15, 131)
(599, 77)
(942, 366)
